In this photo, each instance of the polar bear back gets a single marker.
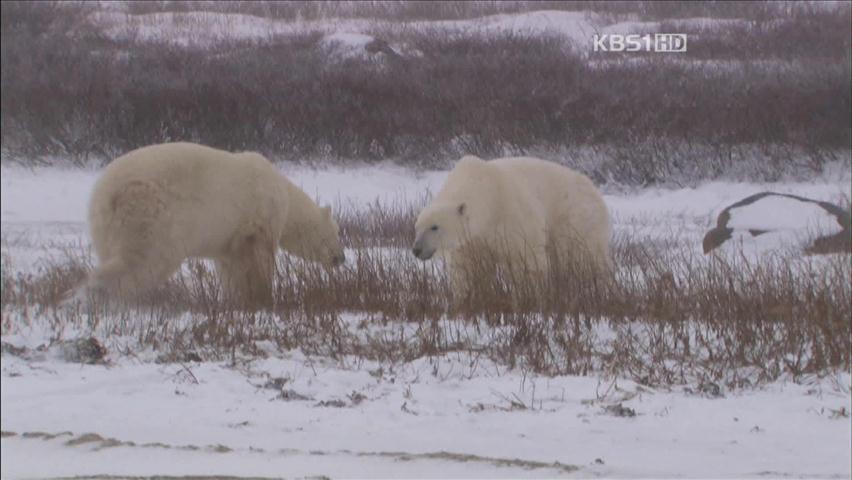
(564, 196)
(199, 194)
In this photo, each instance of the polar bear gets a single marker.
(527, 211)
(154, 207)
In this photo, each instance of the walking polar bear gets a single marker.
(526, 210)
(156, 206)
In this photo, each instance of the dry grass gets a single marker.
(670, 316)
(406, 10)
(780, 84)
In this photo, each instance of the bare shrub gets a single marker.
(779, 82)
(407, 10)
(668, 316)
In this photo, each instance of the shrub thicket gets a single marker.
(670, 316)
(778, 83)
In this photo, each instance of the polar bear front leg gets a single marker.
(461, 282)
(247, 271)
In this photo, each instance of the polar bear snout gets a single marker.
(333, 256)
(421, 252)
(338, 259)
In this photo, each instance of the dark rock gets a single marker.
(838, 242)
(619, 410)
(276, 383)
(380, 46)
(706, 389)
(82, 350)
(291, 395)
(179, 357)
(6, 347)
(356, 397)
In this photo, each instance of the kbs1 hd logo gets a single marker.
(657, 42)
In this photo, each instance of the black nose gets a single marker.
(339, 260)
(416, 251)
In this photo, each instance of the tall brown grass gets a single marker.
(670, 315)
(779, 83)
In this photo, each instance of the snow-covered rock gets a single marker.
(772, 220)
(358, 45)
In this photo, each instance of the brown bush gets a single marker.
(669, 316)
(446, 9)
(782, 83)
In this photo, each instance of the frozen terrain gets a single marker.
(47, 207)
(575, 28)
(278, 412)
(204, 28)
(444, 417)
(455, 415)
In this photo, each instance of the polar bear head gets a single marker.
(317, 240)
(330, 250)
(442, 226)
(462, 211)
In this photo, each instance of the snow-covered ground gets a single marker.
(285, 413)
(53, 195)
(454, 415)
(350, 35)
(201, 28)
(46, 208)
(445, 417)
(204, 28)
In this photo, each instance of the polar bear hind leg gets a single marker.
(133, 244)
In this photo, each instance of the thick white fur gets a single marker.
(159, 205)
(523, 208)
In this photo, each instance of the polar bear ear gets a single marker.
(461, 208)
(326, 211)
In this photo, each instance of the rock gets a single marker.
(781, 213)
(337, 403)
(380, 46)
(619, 410)
(291, 395)
(276, 383)
(82, 350)
(178, 357)
(13, 350)
(343, 45)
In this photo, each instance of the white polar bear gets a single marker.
(530, 212)
(156, 206)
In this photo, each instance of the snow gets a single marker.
(422, 408)
(44, 195)
(209, 27)
(345, 45)
(454, 415)
(348, 36)
(205, 28)
(356, 40)
(578, 27)
(49, 195)
(44, 209)
(786, 223)
(775, 212)
(218, 418)
(633, 26)
(675, 25)
(708, 23)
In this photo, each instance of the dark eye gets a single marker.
(434, 227)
